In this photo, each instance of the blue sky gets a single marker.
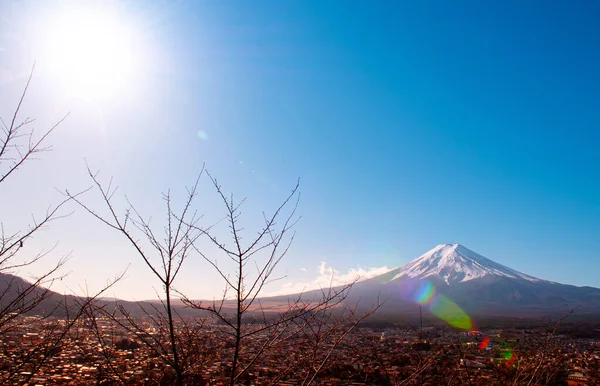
(409, 125)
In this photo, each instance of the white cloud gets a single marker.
(303, 269)
(327, 276)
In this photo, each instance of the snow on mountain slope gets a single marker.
(454, 263)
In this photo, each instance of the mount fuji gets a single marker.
(454, 264)
(477, 284)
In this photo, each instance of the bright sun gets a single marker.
(93, 52)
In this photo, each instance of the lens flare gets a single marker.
(202, 135)
(451, 313)
(510, 357)
(485, 343)
(507, 352)
(424, 293)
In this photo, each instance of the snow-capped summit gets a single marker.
(455, 263)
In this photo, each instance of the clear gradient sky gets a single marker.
(409, 125)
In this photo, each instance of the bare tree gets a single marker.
(271, 242)
(247, 328)
(250, 327)
(26, 305)
(19, 144)
(164, 257)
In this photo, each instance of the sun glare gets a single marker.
(92, 52)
